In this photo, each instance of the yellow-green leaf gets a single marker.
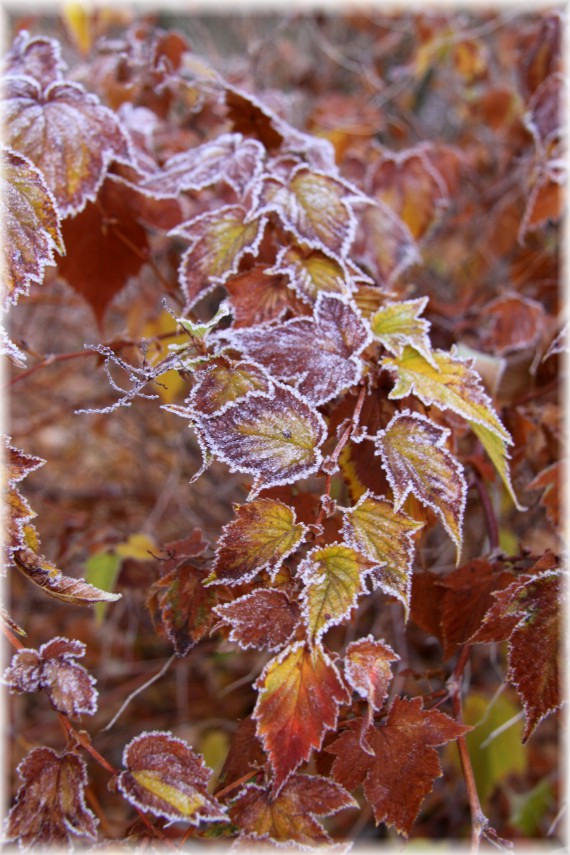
(499, 455)
(396, 325)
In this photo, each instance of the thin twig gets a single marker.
(140, 689)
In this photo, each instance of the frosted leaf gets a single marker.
(396, 325)
(387, 538)
(311, 272)
(263, 533)
(416, 460)
(277, 439)
(67, 684)
(67, 133)
(53, 582)
(31, 225)
(321, 354)
(334, 577)
(218, 241)
(229, 158)
(221, 384)
(315, 207)
(9, 349)
(50, 806)
(37, 56)
(263, 619)
(257, 296)
(367, 669)
(167, 778)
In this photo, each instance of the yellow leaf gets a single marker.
(186, 803)
(499, 456)
(77, 22)
(396, 325)
(138, 546)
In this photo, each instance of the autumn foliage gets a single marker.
(282, 458)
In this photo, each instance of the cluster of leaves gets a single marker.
(285, 267)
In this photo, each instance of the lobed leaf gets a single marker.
(300, 691)
(218, 241)
(335, 576)
(416, 461)
(17, 513)
(321, 354)
(31, 225)
(50, 807)
(277, 439)
(289, 816)
(67, 684)
(400, 770)
(261, 536)
(527, 613)
(311, 272)
(386, 537)
(396, 325)
(263, 619)
(229, 158)
(164, 776)
(67, 133)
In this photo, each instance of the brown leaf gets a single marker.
(53, 582)
(291, 814)
(527, 613)
(550, 482)
(245, 753)
(257, 296)
(106, 246)
(264, 619)
(367, 669)
(400, 772)
(165, 777)
(67, 684)
(50, 808)
(512, 323)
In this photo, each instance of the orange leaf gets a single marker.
(299, 695)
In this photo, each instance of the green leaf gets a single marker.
(102, 570)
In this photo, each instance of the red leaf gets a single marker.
(512, 323)
(106, 246)
(276, 439)
(550, 482)
(67, 684)
(67, 133)
(257, 296)
(245, 753)
(165, 776)
(291, 814)
(37, 56)
(264, 619)
(321, 354)
(384, 243)
(50, 807)
(367, 669)
(527, 613)
(32, 226)
(400, 771)
(299, 695)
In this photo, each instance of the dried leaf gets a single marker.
(185, 605)
(550, 482)
(53, 582)
(257, 296)
(261, 536)
(513, 323)
(165, 777)
(527, 613)
(218, 241)
(322, 354)
(384, 244)
(289, 816)
(367, 669)
(229, 158)
(386, 537)
(106, 246)
(263, 619)
(396, 325)
(67, 684)
(17, 513)
(400, 771)
(67, 133)
(299, 694)
(276, 439)
(50, 807)
(245, 753)
(31, 225)
(334, 577)
(414, 455)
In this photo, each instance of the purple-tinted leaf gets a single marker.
(264, 619)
